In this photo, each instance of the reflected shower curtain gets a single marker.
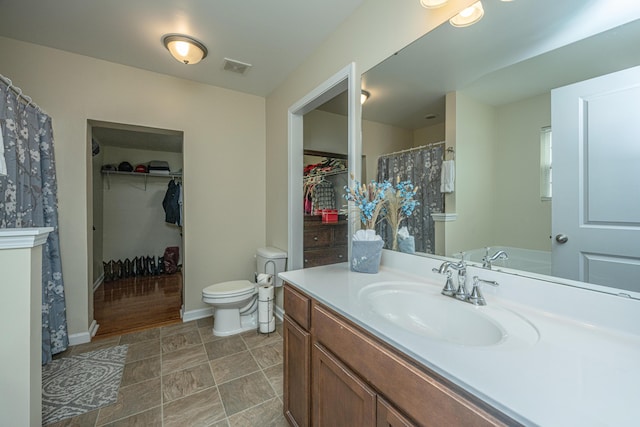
(28, 198)
(422, 167)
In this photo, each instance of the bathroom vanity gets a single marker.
(388, 349)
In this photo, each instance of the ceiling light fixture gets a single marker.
(468, 16)
(184, 48)
(364, 95)
(432, 4)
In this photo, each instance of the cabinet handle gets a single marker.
(340, 256)
(306, 261)
(315, 238)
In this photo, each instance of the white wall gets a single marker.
(224, 161)
(134, 219)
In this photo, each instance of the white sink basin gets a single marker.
(421, 310)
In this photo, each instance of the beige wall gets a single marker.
(378, 139)
(376, 30)
(224, 160)
(325, 132)
(429, 134)
(497, 176)
(134, 219)
(475, 170)
(517, 175)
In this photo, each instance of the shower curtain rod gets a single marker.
(22, 97)
(412, 149)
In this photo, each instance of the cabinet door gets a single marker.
(339, 397)
(297, 374)
(388, 416)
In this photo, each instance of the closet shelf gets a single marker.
(146, 176)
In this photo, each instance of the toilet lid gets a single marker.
(229, 288)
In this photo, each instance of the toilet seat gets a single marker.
(228, 289)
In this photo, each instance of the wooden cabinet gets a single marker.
(340, 398)
(324, 243)
(356, 379)
(297, 358)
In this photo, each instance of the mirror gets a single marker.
(486, 91)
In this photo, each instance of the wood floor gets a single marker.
(138, 303)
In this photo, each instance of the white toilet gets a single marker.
(235, 303)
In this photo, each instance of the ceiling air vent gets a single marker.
(235, 66)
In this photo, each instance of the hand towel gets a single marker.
(448, 176)
(3, 163)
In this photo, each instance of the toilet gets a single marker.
(235, 303)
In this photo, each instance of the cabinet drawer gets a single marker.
(421, 396)
(297, 306)
(317, 237)
(316, 257)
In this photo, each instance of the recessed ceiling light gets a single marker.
(432, 4)
(468, 16)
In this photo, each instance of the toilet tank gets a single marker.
(271, 260)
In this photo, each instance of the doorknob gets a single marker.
(562, 238)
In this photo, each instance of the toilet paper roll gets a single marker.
(265, 279)
(266, 319)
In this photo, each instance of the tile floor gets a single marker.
(181, 375)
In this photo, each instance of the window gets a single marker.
(545, 163)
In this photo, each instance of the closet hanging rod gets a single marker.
(22, 97)
(323, 174)
(408, 150)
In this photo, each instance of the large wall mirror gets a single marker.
(485, 93)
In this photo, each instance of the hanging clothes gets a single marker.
(171, 203)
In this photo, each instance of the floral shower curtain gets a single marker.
(423, 168)
(28, 198)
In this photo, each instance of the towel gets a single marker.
(3, 163)
(448, 176)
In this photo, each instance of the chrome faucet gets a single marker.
(448, 290)
(487, 260)
(474, 297)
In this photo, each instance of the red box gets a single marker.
(330, 215)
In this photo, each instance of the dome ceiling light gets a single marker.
(364, 95)
(184, 48)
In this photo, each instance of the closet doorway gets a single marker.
(137, 239)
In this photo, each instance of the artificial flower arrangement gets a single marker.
(382, 200)
(400, 205)
(369, 200)
(376, 201)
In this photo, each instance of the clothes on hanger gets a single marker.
(171, 203)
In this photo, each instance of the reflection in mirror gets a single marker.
(325, 174)
(485, 91)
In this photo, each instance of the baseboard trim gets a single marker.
(201, 313)
(279, 312)
(93, 328)
(84, 337)
(98, 282)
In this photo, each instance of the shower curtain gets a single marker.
(422, 167)
(28, 198)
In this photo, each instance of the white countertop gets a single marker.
(583, 371)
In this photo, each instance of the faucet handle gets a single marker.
(476, 297)
(448, 289)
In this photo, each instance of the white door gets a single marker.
(596, 180)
